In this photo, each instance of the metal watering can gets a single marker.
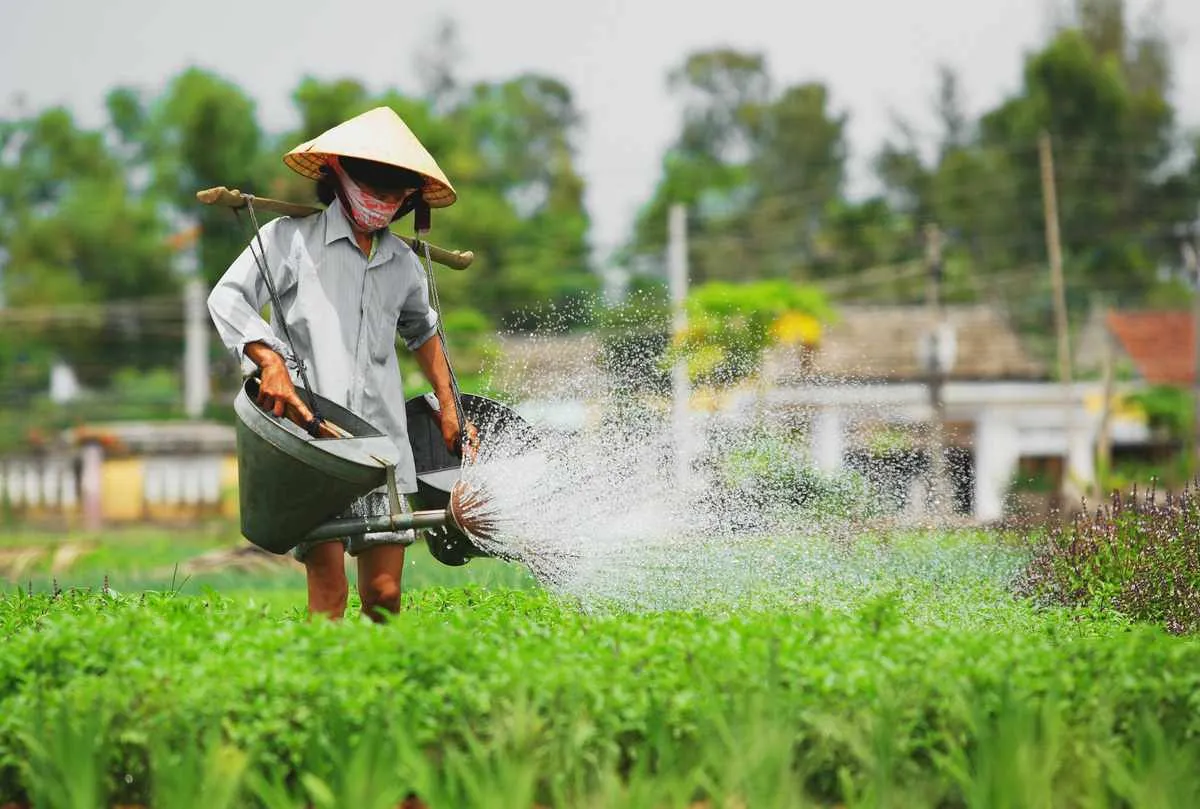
(293, 487)
(439, 470)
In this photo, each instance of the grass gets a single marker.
(156, 559)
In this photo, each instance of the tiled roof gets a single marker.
(881, 343)
(1161, 344)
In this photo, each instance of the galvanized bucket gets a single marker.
(438, 469)
(289, 482)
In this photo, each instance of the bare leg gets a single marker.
(328, 589)
(379, 570)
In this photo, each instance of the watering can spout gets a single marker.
(465, 514)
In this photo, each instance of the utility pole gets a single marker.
(677, 284)
(1103, 442)
(195, 323)
(1054, 250)
(936, 359)
(195, 348)
(3, 264)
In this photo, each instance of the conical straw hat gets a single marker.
(378, 135)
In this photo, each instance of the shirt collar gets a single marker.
(337, 226)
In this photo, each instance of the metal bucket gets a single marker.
(289, 482)
(438, 469)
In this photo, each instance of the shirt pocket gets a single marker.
(382, 311)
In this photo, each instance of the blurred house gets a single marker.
(125, 472)
(1156, 348)
(863, 400)
(884, 344)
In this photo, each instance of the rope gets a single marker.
(260, 260)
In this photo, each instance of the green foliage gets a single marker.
(194, 768)
(1099, 87)
(163, 700)
(68, 768)
(756, 168)
(729, 325)
(1171, 472)
(1167, 408)
(761, 168)
(1041, 482)
(155, 558)
(76, 235)
(133, 395)
(1139, 556)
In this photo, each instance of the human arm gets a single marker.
(431, 358)
(237, 300)
(417, 326)
(235, 304)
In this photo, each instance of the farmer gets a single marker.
(347, 286)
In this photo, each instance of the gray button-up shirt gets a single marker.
(343, 311)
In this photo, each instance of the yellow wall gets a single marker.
(121, 489)
(123, 497)
(122, 494)
(229, 487)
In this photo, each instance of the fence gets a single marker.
(90, 487)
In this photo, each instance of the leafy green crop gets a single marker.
(473, 693)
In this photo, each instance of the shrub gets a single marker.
(1138, 555)
(772, 474)
(1168, 409)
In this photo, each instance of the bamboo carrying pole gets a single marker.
(233, 198)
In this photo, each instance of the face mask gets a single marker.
(367, 211)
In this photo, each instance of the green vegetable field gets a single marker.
(916, 671)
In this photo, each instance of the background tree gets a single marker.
(1100, 89)
(76, 236)
(758, 170)
(723, 93)
(199, 132)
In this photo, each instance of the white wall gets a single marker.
(1011, 420)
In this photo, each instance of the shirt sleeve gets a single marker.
(238, 298)
(418, 320)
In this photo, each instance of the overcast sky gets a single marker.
(876, 55)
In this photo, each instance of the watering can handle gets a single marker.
(316, 427)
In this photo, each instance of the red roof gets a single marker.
(1161, 344)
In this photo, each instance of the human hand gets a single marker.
(471, 444)
(277, 394)
(453, 435)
